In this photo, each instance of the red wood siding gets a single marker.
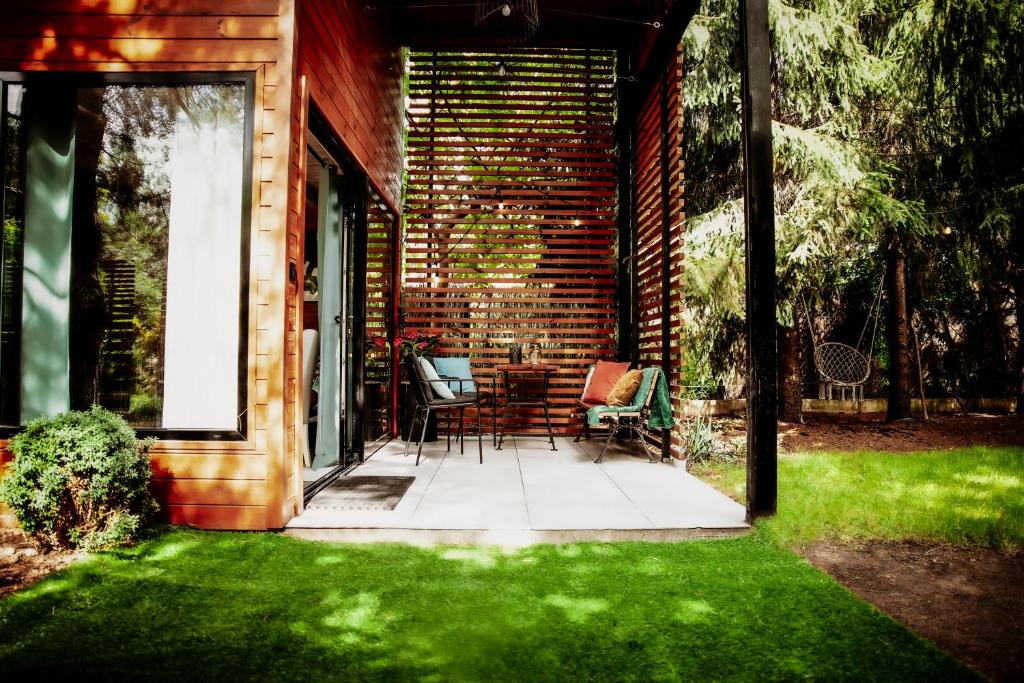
(510, 210)
(355, 79)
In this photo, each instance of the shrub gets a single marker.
(704, 444)
(79, 480)
(699, 440)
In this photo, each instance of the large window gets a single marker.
(123, 282)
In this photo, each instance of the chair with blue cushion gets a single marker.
(431, 395)
(458, 370)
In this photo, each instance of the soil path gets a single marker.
(21, 563)
(967, 601)
(821, 432)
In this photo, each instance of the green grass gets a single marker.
(963, 496)
(190, 605)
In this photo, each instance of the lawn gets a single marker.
(962, 496)
(265, 607)
(204, 605)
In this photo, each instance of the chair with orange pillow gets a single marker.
(601, 379)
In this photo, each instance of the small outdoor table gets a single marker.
(526, 394)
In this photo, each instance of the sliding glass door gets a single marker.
(348, 312)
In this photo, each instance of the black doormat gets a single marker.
(361, 493)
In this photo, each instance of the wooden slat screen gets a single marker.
(510, 209)
(662, 110)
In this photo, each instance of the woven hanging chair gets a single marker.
(841, 366)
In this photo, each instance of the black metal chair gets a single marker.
(426, 401)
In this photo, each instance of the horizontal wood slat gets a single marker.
(654, 301)
(510, 210)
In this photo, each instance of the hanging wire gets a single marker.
(603, 17)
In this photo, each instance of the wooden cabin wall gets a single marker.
(348, 69)
(210, 484)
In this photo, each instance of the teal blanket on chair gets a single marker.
(661, 405)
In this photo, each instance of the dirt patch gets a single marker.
(824, 432)
(967, 601)
(22, 563)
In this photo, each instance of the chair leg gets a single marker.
(551, 433)
(494, 419)
(462, 437)
(583, 424)
(480, 435)
(448, 428)
(412, 428)
(504, 424)
(611, 432)
(423, 435)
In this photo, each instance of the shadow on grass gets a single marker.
(260, 606)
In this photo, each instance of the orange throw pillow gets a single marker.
(625, 389)
(605, 376)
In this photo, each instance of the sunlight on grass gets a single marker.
(577, 610)
(969, 495)
(480, 556)
(694, 611)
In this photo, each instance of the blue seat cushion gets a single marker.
(458, 366)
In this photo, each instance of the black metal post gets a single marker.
(358, 204)
(624, 136)
(762, 360)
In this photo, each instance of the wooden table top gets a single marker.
(526, 367)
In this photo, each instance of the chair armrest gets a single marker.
(460, 380)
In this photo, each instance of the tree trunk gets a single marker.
(998, 374)
(790, 374)
(1019, 304)
(898, 333)
(1017, 278)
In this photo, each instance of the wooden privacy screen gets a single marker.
(658, 173)
(510, 209)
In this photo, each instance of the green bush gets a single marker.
(79, 480)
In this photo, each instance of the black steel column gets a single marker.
(624, 136)
(762, 361)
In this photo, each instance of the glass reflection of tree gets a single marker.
(125, 219)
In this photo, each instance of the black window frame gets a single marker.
(174, 79)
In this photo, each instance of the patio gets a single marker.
(527, 493)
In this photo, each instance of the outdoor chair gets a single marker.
(425, 393)
(632, 418)
(457, 371)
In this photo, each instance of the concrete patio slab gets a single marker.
(527, 493)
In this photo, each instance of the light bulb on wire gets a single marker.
(506, 10)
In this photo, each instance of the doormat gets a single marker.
(361, 493)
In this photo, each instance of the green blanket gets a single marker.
(661, 406)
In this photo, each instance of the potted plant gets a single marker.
(417, 342)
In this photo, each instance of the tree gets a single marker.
(833, 198)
